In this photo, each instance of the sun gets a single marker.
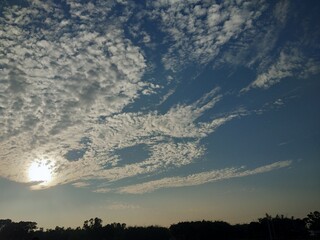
(39, 172)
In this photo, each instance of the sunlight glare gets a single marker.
(39, 172)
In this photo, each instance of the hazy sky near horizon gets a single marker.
(154, 112)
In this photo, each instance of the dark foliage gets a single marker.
(275, 228)
(313, 221)
(201, 230)
(146, 233)
(16, 230)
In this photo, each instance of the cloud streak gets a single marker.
(291, 62)
(200, 178)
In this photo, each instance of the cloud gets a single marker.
(253, 48)
(72, 77)
(200, 178)
(281, 10)
(173, 139)
(63, 73)
(60, 73)
(122, 206)
(102, 190)
(78, 123)
(197, 30)
(81, 184)
(291, 62)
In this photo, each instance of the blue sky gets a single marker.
(160, 111)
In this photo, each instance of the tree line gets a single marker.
(268, 227)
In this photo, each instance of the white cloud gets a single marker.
(82, 82)
(197, 30)
(253, 48)
(122, 206)
(281, 10)
(291, 62)
(57, 81)
(200, 178)
(81, 184)
(102, 190)
(172, 138)
(68, 76)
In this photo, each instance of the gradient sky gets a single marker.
(160, 111)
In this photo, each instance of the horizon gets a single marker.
(278, 227)
(103, 223)
(158, 112)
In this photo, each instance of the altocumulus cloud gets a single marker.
(70, 72)
(197, 30)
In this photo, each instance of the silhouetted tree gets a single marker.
(93, 228)
(115, 231)
(268, 227)
(146, 233)
(92, 224)
(281, 227)
(313, 221)
(201, 230)
(12, 230)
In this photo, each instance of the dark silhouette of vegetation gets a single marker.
(268, 227)
(313, 221)
(16, 230)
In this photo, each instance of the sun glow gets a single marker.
(39, 172)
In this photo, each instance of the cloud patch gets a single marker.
(197, 30)
(291, 62)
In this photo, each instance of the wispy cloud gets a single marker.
(200, 178)
(122, 206)
(102, 190)
(253, 48)
(81, 184)
(291, 62)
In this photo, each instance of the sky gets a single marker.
(155, 112)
